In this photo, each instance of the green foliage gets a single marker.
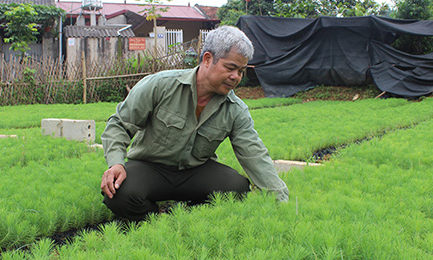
(230, 16)
(271, 102)
(31, 115)
(111, 91)
(20, 29)
(371, 201)
(419, 10)
(30, 81)
(316, 8)
(338, 93)
(297, 8)
(152, 13)
(296, 132)
(414, 9)
(230, 12)
(50, 185)
(47, 16)
(20, 21)
(140, 63)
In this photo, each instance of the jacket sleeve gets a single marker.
(131, 116)
(254, 157)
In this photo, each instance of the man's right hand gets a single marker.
(112, 179)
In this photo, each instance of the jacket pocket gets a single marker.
(207, 140)
(168, 127)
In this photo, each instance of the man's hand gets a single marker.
(112, 179)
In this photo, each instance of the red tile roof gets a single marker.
(209, 11)
(108, 9)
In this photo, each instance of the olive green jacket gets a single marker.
(158, 116)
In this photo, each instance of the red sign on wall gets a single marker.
(137, 44)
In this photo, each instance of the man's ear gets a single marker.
(207, 58)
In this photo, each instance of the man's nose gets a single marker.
(236, 75)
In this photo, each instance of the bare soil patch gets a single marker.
(249, 92)
(317, 93)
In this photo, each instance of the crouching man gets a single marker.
(177, 119)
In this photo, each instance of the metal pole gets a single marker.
(83, 62)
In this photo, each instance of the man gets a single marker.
(177, 119)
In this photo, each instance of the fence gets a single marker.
(202, 38)
(173, 38)
(49, 81)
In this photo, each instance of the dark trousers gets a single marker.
(146, 183)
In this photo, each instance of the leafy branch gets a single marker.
(22, 21)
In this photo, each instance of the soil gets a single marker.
(249, 92)
(318, 93)
(251, 89)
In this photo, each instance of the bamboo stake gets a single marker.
(119, 76)
(381, 94)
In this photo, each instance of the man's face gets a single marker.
(227, 72)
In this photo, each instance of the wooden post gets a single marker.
(155, 30)
(83, 63)
(200, 39)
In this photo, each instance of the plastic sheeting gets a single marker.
(294, 54)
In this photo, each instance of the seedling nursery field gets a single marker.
(372, 199)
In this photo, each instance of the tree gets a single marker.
(333, 8)
(230, 12)
(20, 29)
(21, 23)
(152, 13)
(414, 9)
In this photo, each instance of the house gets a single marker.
(210, 12)
(47, 45)
(190, 20)
(102, 30)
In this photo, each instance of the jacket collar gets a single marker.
(190, 78)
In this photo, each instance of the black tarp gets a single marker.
(294, 54)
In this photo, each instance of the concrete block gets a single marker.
(52, 126)
(80, 130)
(284, 165)
(8, 136)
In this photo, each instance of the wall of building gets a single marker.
(47, 49)
(191, 29)
(50, 47)
(120, 19)
(95, 49)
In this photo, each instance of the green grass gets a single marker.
(271, 102)
(371, 201)
(31, 115)
(296, 132)
(48, 185)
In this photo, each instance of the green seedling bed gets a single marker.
(372, 200)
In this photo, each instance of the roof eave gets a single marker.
(187, 19)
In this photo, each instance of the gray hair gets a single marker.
(222, 40)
